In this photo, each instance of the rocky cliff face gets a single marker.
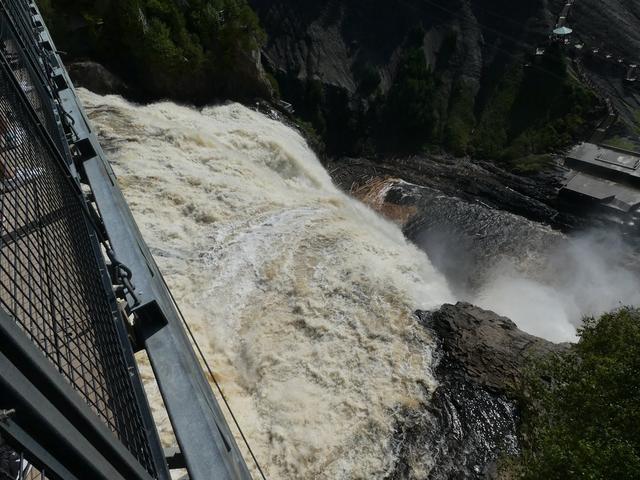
(332, 58)
(336, 60)
(611, 26)
(335, 41)
(489, 350)
(95, 77)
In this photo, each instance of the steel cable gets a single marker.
(215, 381)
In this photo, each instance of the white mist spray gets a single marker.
(543, 280)
(584, 275)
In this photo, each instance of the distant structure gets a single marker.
(605, 176)
(562, 31)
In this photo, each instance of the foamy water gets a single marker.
(301, 297)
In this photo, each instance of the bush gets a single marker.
(409, 115)
(534, 110)
(581, 416)
(184, 50)
(460, 121)
(491, 136)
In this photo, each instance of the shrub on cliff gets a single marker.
(196, 50)
(582, 410)
(409, 117)
(534, 110)
(529, 111)
(460, 120)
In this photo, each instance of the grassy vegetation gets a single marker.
(184, 50)
(636, 117)
(581, 416)
(621, 142)
(531, 163)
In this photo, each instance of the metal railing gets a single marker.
(53, 280)
(30, 63)
(15, 466)
(71, 399)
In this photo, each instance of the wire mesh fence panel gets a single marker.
(29, 62)
(51, 270)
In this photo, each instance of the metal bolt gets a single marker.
(4, 414)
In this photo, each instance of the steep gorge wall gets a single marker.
(334, 41)
(338, 62)
(349, 53)
(371, 78)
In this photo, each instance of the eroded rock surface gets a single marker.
(472, 420)
(487, 349)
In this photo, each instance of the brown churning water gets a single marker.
(301, 296)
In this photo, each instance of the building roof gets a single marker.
(563, 31)
(617, 161)
(606, 192)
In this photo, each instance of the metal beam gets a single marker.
(208, 446)
(49, 410)
(65, 91)
(39, 456)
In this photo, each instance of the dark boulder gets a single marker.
(487, 349)
(472, 418)
(95, 77)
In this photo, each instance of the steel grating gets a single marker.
(52, 275)
(30, 64)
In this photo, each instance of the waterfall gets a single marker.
(301, 297)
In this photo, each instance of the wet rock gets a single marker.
(486, 349)
(534, 197)
(95, 77)
(472, 419)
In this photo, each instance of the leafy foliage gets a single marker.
(461, 120)
(582, 409)
(534, 111)
(492, 134)
(529, 112)
(409, 116)
(189, 50)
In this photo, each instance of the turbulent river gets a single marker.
(301, 297)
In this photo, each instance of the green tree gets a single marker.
(186, 50)
(582, 409)
(460, 121)
(409, 116)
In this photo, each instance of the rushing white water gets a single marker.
(301, 296)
